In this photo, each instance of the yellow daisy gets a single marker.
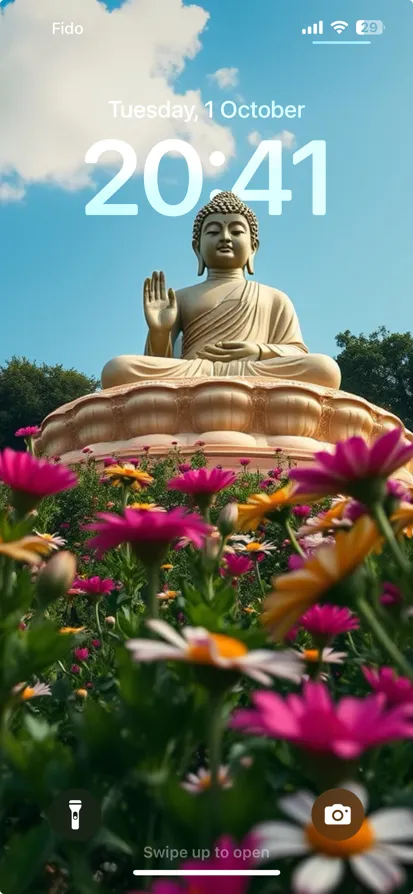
(151, 507)
(294, 592)
(28, 549)
(68, 630)
(127, 474)
(168, 594)
(260, 506)
(402, 519)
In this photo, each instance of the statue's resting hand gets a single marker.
(160, 308)
(225, 351)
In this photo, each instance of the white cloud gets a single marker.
(225, 77)
(55, 89)
(10, 193)
(288, 139)
(254, 138)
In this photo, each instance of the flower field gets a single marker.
(205, 652)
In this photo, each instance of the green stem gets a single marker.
(214, 748)
(294, 540)
(259, 578)
(386, 529)
(153, 590)
(390, 647)
(98, 624)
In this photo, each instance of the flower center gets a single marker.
(363, 840)
(253, 547)
(226, 646)
(27, 693)
(312, 655)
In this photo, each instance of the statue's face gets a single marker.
(225, 241)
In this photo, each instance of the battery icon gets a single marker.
(372, 26)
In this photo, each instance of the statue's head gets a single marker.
(225, 234)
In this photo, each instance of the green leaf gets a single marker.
(39, 729)
(24, 857)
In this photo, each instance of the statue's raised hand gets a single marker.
(160, 307)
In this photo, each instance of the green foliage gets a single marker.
(29, 392)
(144, 726)
(379, 367)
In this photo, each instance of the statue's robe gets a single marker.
(248, 312)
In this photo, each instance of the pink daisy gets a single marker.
(202, 482)
(328, 620)
(312, 721)
(82, 654)
(355, 468)
(244, 461)
(235, 566)
(95, 586)
(397, 690)
(32, 479)
(391, 595)
(150, 540)
(31, 431)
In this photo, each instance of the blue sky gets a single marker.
(71, 285)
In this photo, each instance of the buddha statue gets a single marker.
(231, 326)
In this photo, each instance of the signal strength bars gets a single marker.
(317, 28)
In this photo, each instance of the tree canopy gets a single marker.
(379, 367)
(29, 392)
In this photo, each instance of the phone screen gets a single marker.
(206, 270)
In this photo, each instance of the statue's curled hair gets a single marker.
(226, 203)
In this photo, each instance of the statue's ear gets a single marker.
(201, 262)
(250, 262)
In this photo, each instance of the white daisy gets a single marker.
(26, 693)
(244, 543)
(198, 646)
(54, 540)
(328, 656)
(201, 780)
(373, 854)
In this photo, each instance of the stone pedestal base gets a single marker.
(233, 417)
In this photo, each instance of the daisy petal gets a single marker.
(298, 806)
(279, 840)
(317, 875)
(376, 870)
(401, 852)
(358, 790)
(395, 824)
(167, 632)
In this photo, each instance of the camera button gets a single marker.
(337, 814)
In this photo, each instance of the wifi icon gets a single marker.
(339, 27)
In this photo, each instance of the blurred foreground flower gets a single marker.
(31, 479)
(374, 853)
(28, 549)
(198, 646)
(295, 592)
(397, 690)
(354, 468)
(149, 541)
(313, 722)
